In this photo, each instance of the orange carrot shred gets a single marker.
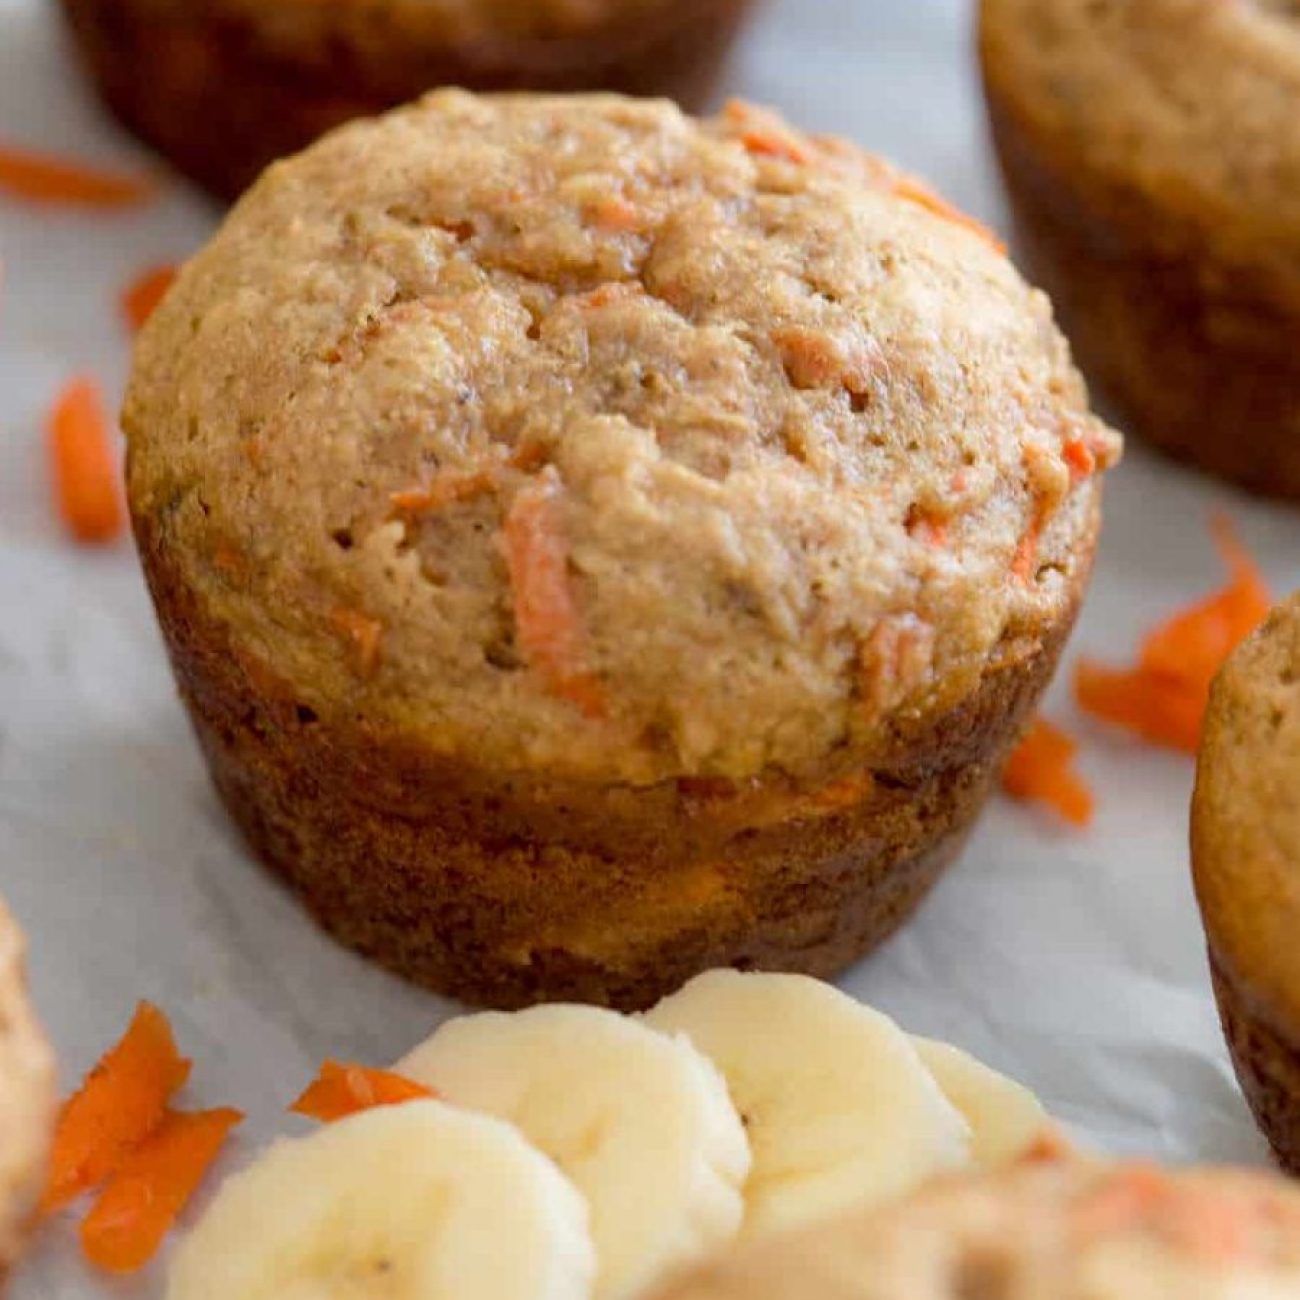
(87, 492)
(1163, 697)
(142, 1200)
(1041, 768)
(121, 1102)
(41, 178)
(340, 1090)
(547, 622)
(916, 191)
(1079, 458)
(443, 490)
(366, 635)
(144, 293)
(1026, 556)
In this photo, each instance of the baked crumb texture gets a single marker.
(587, 537)
(26, 1098)
(1152, 158)
(1246, 858)
(1062, 1230)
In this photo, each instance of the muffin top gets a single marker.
(1246, 820)
(1187, 104)
(26, 1096)
(574, 435)
(1062, 1231)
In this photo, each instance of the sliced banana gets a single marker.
(640, 1121)
(1004, 1116)
(412, 1202)
(838, 1107)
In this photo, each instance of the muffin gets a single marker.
(26, 1098)
(1056, 1231)
(595, 545)
(1154, 169)
(224, 87)
(1246, 860)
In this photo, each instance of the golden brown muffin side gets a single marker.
(505, 889)
(26, 1098)
(1246, 861)
(1056, 1231)
(224, 88)
(1153, 177)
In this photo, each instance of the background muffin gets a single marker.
(1246, 856)
(1154, 169)
(26, 1098)
(595, 546)
(223, 87)
(1064, 1230)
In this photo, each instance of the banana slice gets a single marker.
(640, 1122)
(412, 1202)
(1004, 1116)
(838, 1107)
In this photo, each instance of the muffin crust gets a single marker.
(1246, 858)
(681, 512)
(1155, 178)
(224, 87)
(1067, 1230)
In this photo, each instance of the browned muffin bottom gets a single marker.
(1066, 1230)
(26, 1098)
(594, 545)
(1154, 171)
(222, 88)
(1246, 859)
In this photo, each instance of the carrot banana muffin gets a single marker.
(224, 87)
(596, 545)
(26, 1098)
(1246, 859)
(1151, 151)
(1060, 1231)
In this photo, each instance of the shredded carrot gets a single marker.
(894, 659)
(121, 1102)
(616, 213)
(366, 635)
(40, 178)
(841, 794)
(340, 1090)
(1041, 767)
(1163, 697)
(927, 526)
(1079, 458)
(916, 191)
(444, 489)
(144, 293)
(547, 622)
(142, 1200)
(1025, 559)
(85, 474)
(767, 134)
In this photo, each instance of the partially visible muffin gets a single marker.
(1063, 1230)
(1246, 859)
(1153, 162)
(26, 1098)
(596, 545)
(224, 87)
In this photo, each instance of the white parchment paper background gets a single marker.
(1073, 961)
